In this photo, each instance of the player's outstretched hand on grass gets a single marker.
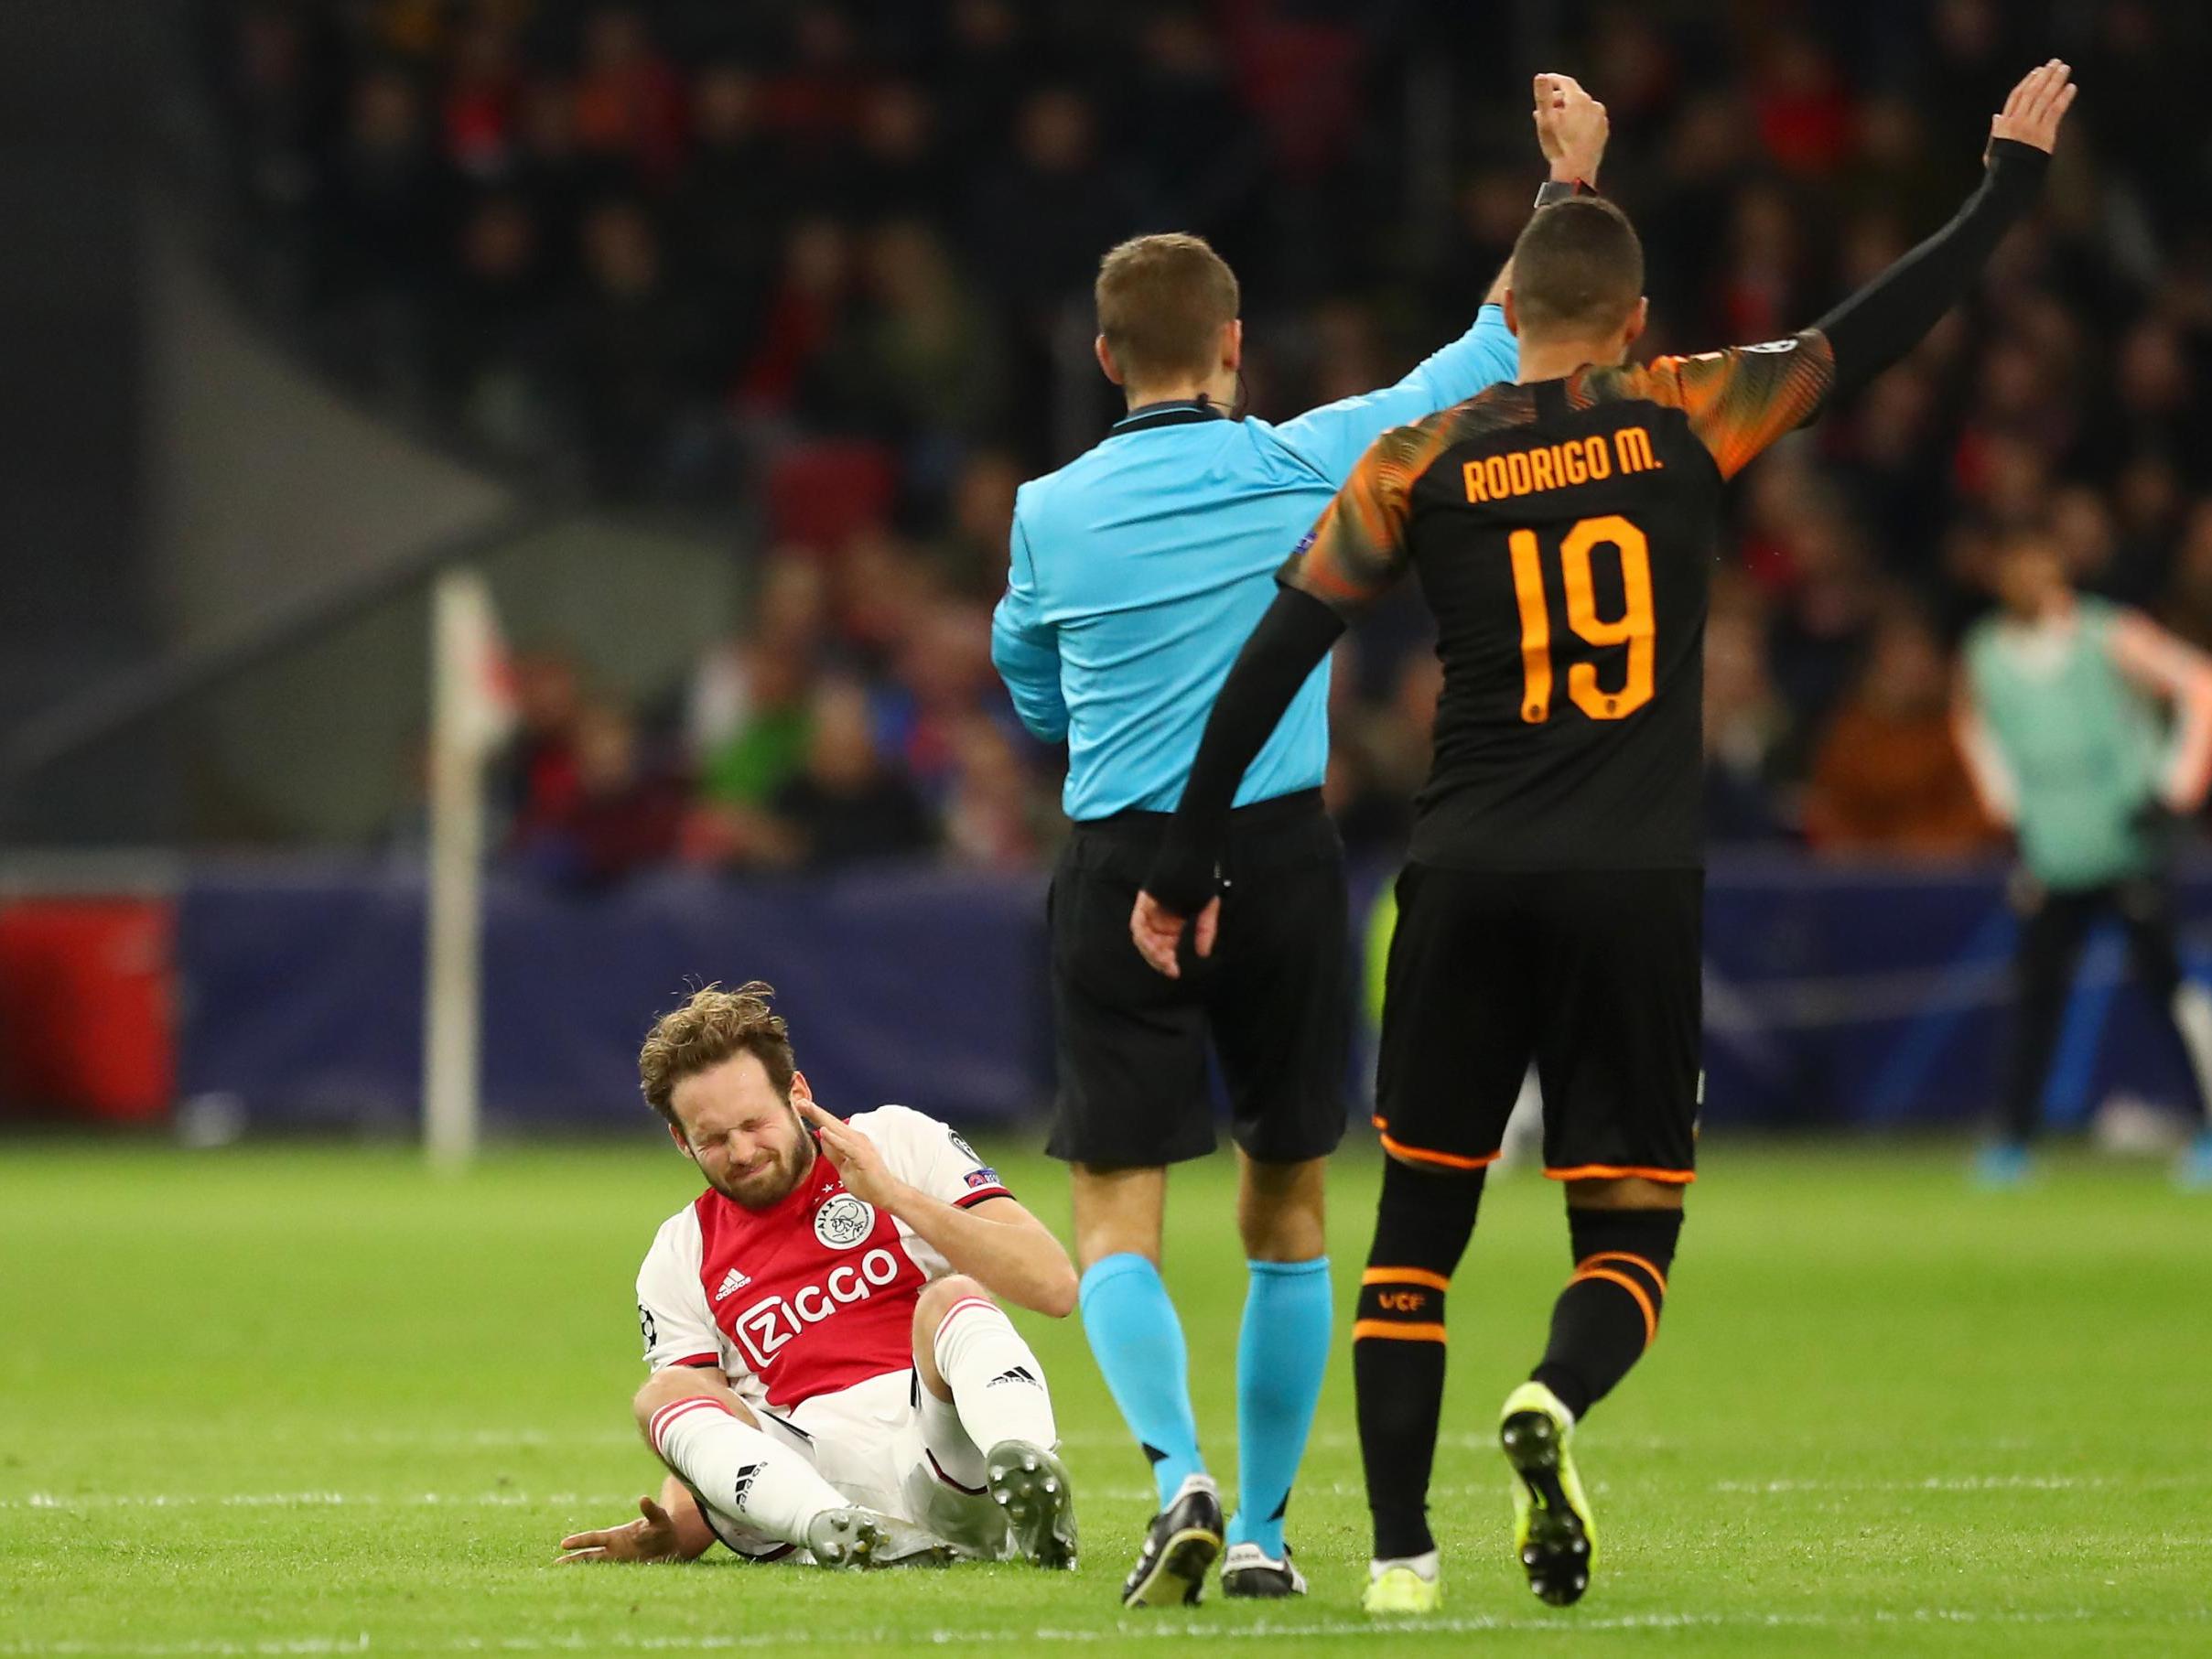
(2031, 114)
(853, 1156)
(1571, 128)
(1158, 931)
(651, 1537)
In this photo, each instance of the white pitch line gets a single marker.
(1965, 1483)
(1187, 1630)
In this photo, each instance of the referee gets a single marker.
(1138, 570)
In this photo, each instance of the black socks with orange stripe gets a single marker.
(1608, 1313)
(1421, 1229)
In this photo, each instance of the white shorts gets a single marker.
(889, 1445)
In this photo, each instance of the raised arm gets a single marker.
(1890, 315)
(1741, 400)
(1571, 128)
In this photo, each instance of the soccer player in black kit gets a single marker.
(1562, 529)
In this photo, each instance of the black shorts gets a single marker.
(1593, 974)
(1275, 999)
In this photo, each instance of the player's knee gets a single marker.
(1623, 1193)
(938, 1298)
(674, 1382)
(1117, 1213)
(1281, 1213)
(1473, 1172)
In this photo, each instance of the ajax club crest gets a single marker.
(844, 1222)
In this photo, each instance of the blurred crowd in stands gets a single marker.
(821, 268)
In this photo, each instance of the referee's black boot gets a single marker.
(1179, 1548)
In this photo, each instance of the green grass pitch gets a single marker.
(315, 1401)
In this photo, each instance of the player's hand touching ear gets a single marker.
(852, 1154)
(1157, 931)
(2031, 114)
(652, 1537)
(1571, 128)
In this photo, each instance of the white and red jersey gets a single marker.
(813, 1294)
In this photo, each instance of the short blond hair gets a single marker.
(1163, 301)
(714, 1026)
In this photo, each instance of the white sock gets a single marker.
(997, 1386)
(739, 1470)
(958, 1458)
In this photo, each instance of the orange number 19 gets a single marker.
(1634, 627)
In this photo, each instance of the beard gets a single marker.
(773, 1182)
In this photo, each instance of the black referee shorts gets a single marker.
(1596, 975)
(1274, 999)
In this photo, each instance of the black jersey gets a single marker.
(1563, 533)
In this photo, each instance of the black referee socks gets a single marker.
(1421, 1229)
(1608, 1313)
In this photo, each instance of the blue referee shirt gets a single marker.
(1140, 568)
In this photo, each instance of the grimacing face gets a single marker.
(748, 1140)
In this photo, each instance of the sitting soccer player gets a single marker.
(832, 1380)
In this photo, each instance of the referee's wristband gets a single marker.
(1551, 191)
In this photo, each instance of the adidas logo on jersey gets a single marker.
(731, 1285)
(1020, 1374)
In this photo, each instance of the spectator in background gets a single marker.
(1746, 727)
(495, 331)
(919, 367)
(535, 780)
(941, 678)
(970, 557)
(1805, 121)
(2187, 607)
(995, 815)
(1040, 217)
(730, 205)
(629, 103)
(879, 592)
(634, 352)
(624, 816)
(805, 309)
(747, 718)
(898, 170)
(1894, 468)
(379, 234)
(1888, 777)
(1824, 591)
(479, 107)
(552, 173)
(763, 741)
(846, 805)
